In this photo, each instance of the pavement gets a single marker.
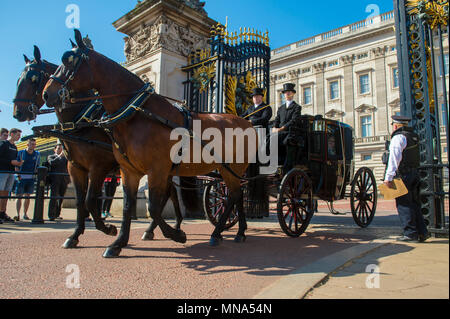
(335, 260)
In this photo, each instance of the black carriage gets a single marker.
(323, 169)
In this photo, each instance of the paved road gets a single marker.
(34, 264)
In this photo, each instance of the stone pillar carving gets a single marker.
(160, 35)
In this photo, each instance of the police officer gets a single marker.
(404, 160)
(287, 115)
(259, 114)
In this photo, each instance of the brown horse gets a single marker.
(88, 165)
(145, 142)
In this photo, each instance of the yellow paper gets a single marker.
(392, 193)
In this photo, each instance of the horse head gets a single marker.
(82, 72)
(28, 99)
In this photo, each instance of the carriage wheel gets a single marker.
(294, 203)
(363, 197)
(214, 200)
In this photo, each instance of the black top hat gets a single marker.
(257, 91)
(400, 119)
(289, 87)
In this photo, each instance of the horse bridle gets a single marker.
(41, 74)
(76, 56)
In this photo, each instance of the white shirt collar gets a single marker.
(256, 106)
(288, 103)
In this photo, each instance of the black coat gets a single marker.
(261, 118)
(58, 164)
(8, 152)
(288, 117)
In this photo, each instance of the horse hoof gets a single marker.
(240, 238)
(112, 230)
(70, 243)
(148, 236)
(180, 236)
(112, 252)
(214, 241)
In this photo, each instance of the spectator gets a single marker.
(25, 186)
(4, 134)
(8, 161)
(110, 184)
(58, 181)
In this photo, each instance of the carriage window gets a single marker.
(319, 126)
(316, 146)
(334, 144)
(331, 146)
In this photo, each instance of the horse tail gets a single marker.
(192, 197)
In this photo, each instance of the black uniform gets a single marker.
(286, 117)
(261, 117)
(59, 183)
(408, 206)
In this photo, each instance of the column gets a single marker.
(349, 95)
(379, 84)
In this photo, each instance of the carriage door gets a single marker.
(334, 162)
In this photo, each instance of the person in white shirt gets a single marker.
(403, 162)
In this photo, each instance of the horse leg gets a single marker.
(240, 237)
(93, 202)
(176, 205)
(234, 186)
(172, 192)
(79, 178)
(158, 193)
(130, 190)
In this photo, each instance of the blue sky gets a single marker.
(26, 23)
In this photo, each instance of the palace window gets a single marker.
(444, 118)
(395, 78)
(282, 99)
(445, 64)
(366, 157)
(334, 90)
(366, 126)
(364, 84)
(307, 95)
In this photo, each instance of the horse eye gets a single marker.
(33, 76)
(68, 59)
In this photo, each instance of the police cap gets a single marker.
(400, 119)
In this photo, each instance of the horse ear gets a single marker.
(26, 59)
(73, 44)
(79, 39)
(37, 54)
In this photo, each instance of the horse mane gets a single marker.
(50, 64)
(117, 66)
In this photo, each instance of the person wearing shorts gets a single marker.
(8, 162)
(26, 179)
